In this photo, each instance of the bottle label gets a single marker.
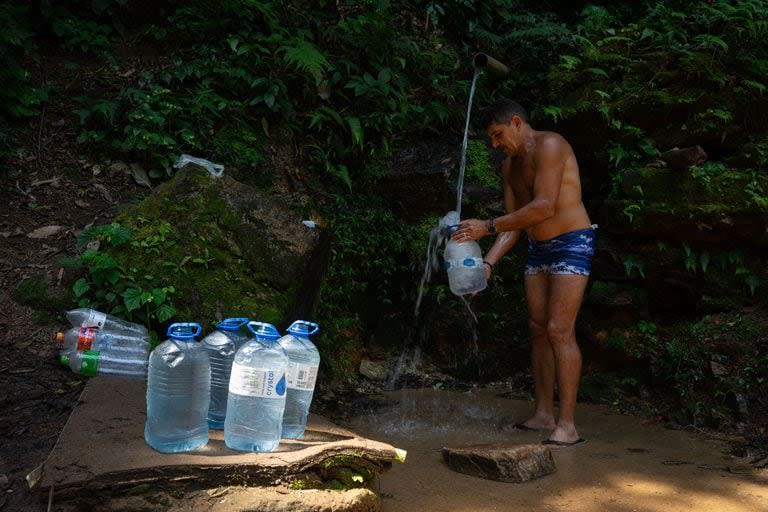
(85, 338)
(466, 262)
(301, 376)
(95, 319)
(257, 382)
(90, 363)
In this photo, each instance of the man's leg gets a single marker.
(542, 357)
(565, 295)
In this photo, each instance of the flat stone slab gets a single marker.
(503, 462)
(102, 445)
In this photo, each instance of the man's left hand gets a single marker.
(470, 229)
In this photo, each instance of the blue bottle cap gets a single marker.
(184, 331)
(263, 330)
(232, 324)
(303, 328)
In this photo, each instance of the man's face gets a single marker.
(506, 137)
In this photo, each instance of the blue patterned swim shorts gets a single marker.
(569, 253)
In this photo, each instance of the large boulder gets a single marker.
(227, 249)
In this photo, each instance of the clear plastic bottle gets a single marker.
(221, 346)
(301, 375)
(257, 392)
(91, 362)
(464, 265)
(178, 392)
(108, 343)
(85, 317)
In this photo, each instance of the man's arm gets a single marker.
(549, 167)
(505, 241)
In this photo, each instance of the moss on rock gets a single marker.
(225, 248)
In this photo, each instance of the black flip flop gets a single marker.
(563, 444)
(520, 427)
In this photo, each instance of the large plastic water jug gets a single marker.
(257, 392)
(304, 360)
(221, 346)
(464, 265)
(178, 392)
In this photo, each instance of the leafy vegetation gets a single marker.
(110, 286)
(345, 84)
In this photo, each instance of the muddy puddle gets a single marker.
(626, 464)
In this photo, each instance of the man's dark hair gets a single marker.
(501, 111)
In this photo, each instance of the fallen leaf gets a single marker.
(44, 232)
(118, 166)
(104, 192)
(140, 175)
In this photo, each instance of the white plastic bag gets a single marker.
(216, 170)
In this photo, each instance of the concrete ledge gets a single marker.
(102, 445)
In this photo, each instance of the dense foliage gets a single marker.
(346, 83)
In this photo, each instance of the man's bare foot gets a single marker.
(564, 435)
(532, 424)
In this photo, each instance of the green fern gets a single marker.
(754, 85)
(304, 56)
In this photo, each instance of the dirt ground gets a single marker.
(51, 184)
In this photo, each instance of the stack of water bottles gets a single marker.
(257, 389)
(101, 344)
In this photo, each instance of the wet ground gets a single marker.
(626, 464)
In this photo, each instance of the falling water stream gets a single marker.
(436, 236)
(463, 161)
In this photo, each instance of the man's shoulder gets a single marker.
(551, 144)
(550, 140)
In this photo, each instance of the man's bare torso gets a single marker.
(570, 214)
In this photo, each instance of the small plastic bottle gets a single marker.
(301, 376)
(108, 343)
(90, 362)
(178, 392)
(84, 317)
(257, 392)
(221, 346)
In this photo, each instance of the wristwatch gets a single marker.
(492, 227)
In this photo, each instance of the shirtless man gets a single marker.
(542, 196)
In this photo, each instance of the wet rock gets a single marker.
(3, 481)
(373, 370)
(427, 165)
(678, 158)
(503, 462)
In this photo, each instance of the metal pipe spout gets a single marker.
(488, 63)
